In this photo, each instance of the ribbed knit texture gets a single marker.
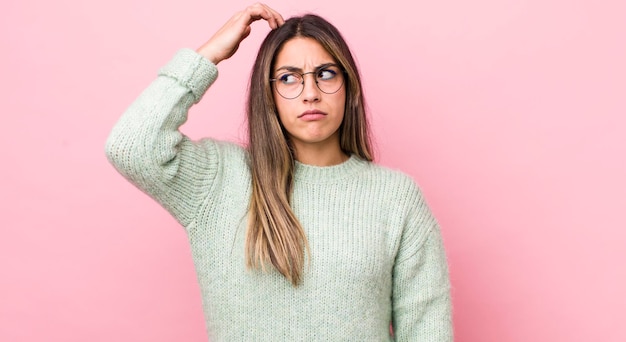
(376, 252)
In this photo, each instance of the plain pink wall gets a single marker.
(510, 114)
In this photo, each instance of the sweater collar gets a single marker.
(326, 174)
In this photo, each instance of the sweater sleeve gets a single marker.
(147, 148)
(421, 286)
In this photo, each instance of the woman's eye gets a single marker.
(326, 74)
(288, 78)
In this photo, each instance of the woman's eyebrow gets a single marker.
(296, 69)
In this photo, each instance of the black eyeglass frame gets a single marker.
(343, 80)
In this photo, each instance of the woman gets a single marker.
(298, 236)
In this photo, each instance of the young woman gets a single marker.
(297, 236)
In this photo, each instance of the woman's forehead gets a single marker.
(302, 53)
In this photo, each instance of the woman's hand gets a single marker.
(226, 40)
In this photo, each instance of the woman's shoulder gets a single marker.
(229, 147)
(391, 184)
(227, 153)
(392, 176)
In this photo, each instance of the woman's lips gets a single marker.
(312, 115)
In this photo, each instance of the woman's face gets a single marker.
(313, 117)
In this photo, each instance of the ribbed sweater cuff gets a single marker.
(191, 70)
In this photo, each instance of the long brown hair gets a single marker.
(274, 234)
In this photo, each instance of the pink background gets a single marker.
(510, 114)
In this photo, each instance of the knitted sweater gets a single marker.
(376, 252)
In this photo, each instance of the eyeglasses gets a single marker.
(290, 84)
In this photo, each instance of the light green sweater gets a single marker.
(376, 251)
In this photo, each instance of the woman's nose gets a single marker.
(310, 93)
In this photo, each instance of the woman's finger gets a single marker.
(261, 11)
